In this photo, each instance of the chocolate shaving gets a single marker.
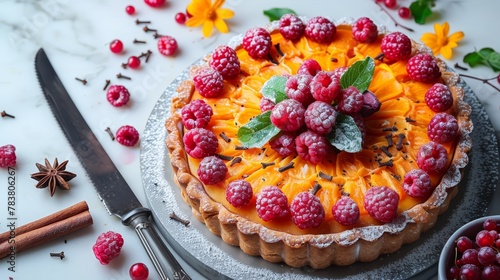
(235, 161)
(408, 119)
(399, 145)
(387, 163)
(286, 167)
(271, 58)
(224, 137)
(266, 164)
(388, 137)
(392, 128)
(325, 176)
(395, 176)
(240, 148)
(385, 149)
(334, 59)
(315, 188)
(223, 157)
(278, 49)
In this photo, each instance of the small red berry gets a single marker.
(239, 193)
(325, 86)
(417, 183)
(396, 46)
(200, 143)
(118, 95)
(225, 60)
(130, 10)
(209, 82)
(364, 30)
(134, 62)
(7, 156)
(309, 67)
(432, 157)
(404, 12)
(490, 224)
(498, 79)
(423, 68)
(180, 18)
(127, 135)
(167, 45)
(212, 170)
(107, 246)
(283, 144)
(297, 87)
(257, 42)
(346, 211)
(307, 211)
(391, 3)
(266, 104)
(196, 114)
(439, 98)
(442, 128)
(116, 46)
(288, 115)
(320, 29)
(291, 27)
(381, 203)
(155, 3)
(312, 146)
(272, 204)
(138, 271)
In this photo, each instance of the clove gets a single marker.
(174, 217)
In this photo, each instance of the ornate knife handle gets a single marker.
(165, 263)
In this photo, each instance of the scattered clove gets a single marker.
(4, 114)
(174, 217)
(59, 255)
(106, 85)
(139, 41)
(137, 21)
(120, 76)
(84, 81)
(108, 130)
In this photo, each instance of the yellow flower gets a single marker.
(209, 14)
(440, 43)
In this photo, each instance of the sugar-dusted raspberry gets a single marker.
(325, 86)
(346, 211)
(212, 170)
(257, 42)
(291, 27)
(439, 98)
(209, 82)
(442, 128)
(351, 101)
(200, 143)
(288, 115)
(417, 183)
(320, 29)
(312, 146)
(266, 104)
(127, 135)
(360, 123)
(307, 211)
(320, 117)
(107, 246)
(381, 203)
(196, 114)
(339, 71)
(396, 46)
(118, 95)
(225, 60)
(272, 204)
(364, 30)
(239, 193)
(297, 87)
(167, 45)
(423, 68)
(371, 104)
(310, 67)
(283, 144)
(8, 156)
(432, 157)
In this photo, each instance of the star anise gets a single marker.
(52, 176)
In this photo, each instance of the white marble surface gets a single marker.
(75, 36)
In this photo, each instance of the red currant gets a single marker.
(134, 62)
(155, 3)
(138, 271)
(484, 238)
(464, 243)
(404, 12)
(391, 3)
(180, 18)
(490, 224)
(130, 10)
(498, 79)
(116, 46)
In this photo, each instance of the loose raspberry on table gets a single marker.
(396, 46)
(283, 144)
(423, 68)
(272, 204)
(257, 42)
(442, 128)
(212, 170)
(225, 60)
(309, 67)
(320, 29)
(196, 114)
(432, 157)
(107, 246)
(364, 30)
(8, 156)
(266, 104)
(346, 211)
(297, 87)
(239, 193)
(118, 95)
(312, 146)
(351, 101)
(325, 86)
(288, 115)
(200, 143)
(320, 117)
(209, 82)
(439, 98)
(167, 45)
(417, 183)
(127, 135)
(381, 203)
(307, 211)
(291, 27)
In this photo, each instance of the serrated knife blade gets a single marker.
(111, 187)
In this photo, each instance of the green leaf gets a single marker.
(258, 131)
(473, 59)
(485, 52)
(359, 75)
(276, 13)
(420, 10)
(346, 136)
(486, 56)
(493, 61)
(274, 89)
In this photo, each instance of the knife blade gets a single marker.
(111, 187)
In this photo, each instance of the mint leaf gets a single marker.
(473, 59)
(276, 13)
(421, 9)
(485, 52)
(493, 61)
(346, 136)
(486, 56)
(258, 131)
(359, 75)
(274, 89)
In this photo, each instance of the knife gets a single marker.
(111, 187)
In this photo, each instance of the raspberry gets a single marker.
(417, 183)
(432, 157)
(288, 115)
(208, 82)
(360, 123)
(257, 42)
(325, 86)
(266, 104)
(310, 67)
(167, 45)
(371, 104)
(107, 246)
(364, 30)
(291, 27)
(118, 95)
(339, 71)
(297, 87)
(396, 46)
(155, 3)
(442, 128)
(381, 203)
(346, 211)
(225, 60)
(439, 98)
(200, 143)
(283, 144)
(127, 135)
(320, 29)
(307, 211)
(272, 204)
(351, 101)
(196, 114)
(212, 170)
(7, 156)
(423, 68)
(312, 146)
(239, 193)
(320, 117)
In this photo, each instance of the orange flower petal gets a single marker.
(221, 25)
(195, 21)
(455, 37)
(208, 26)
(225, 13)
